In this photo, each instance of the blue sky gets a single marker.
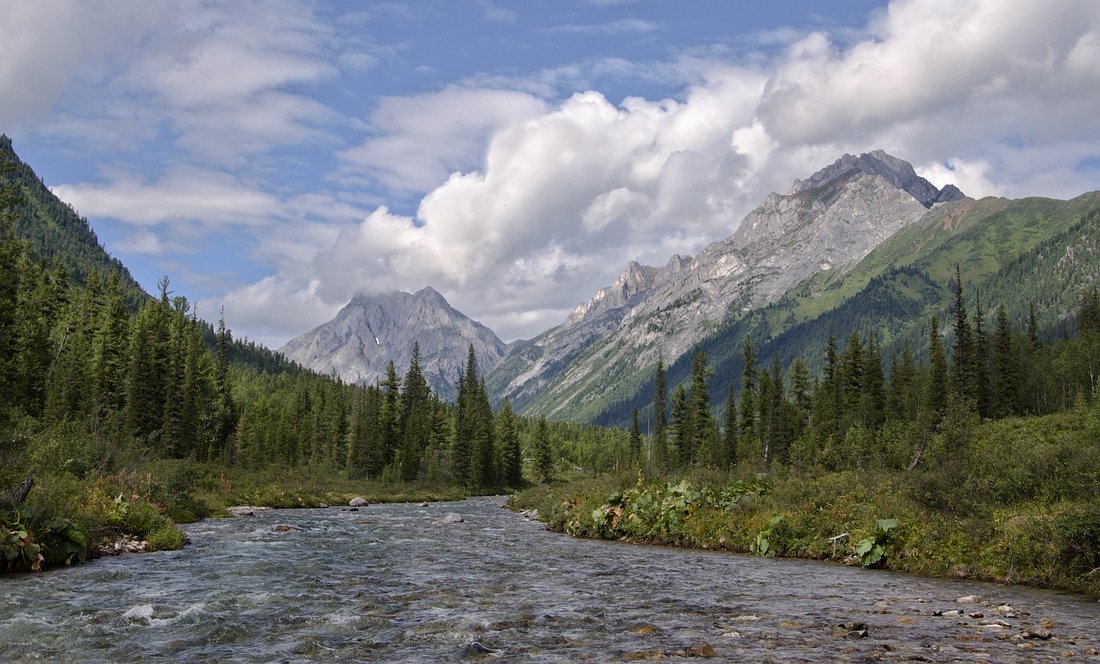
(277, 158)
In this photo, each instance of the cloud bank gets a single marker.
(518, 202)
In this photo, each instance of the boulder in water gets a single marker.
(358, 502)
(451, 517)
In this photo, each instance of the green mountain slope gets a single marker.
(1016, 253)
(54, 231)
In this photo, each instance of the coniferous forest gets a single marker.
(118, 410)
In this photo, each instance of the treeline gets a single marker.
(87, 385)
(862, 410)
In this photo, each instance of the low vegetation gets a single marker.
(1017, 503)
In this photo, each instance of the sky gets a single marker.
(274, 159)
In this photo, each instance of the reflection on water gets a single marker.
(395, 583)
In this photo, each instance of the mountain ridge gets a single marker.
(827, 223)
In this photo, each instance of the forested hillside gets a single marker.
(1032, 253)
(98, 380)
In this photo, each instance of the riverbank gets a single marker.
(66, 520)
(868, 518)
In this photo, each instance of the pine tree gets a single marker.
(962, 366)
(981, 390)
(730, 438)
(748, 393)
(544, 457)
(1004, 369)
(681, 424)
(109, 350)
(660, 435)
(415, 420)
(150, 368)
(511, 464)
(872, 403)
(937, 387)
(799, 375)
(901, 400)
(704, 431)
(635, 437)
(389, 417)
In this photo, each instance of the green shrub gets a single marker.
(1077, 534)
(165, 538)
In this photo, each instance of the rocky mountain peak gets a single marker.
(634, 281)
(372, 330)
(896, 172)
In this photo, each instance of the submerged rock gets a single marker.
(245, 510)
(475, 649)
(851, 630)
(968, 599)
(451, 517)
(284, 528)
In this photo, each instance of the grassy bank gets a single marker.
(1018, 503)
(66, 520)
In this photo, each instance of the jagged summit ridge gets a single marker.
(897, 172)
(371, 330)
(829, 221)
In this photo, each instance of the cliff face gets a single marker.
(827, 222)
(373, 330)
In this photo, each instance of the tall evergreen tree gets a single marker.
(981, 391)
(962, 364)
(730, 437)
(704, 431)
(511, 466)
(416, 420)
(937, 387)
(872, 403)
(681, 423)
(748, 393)
(635, 437)
(544, 456)
(1004, 369)
(660, 435)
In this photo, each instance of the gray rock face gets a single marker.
(373, 330)
(950, 193)
(896, 172)
(828, 222)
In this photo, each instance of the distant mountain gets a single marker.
(372, 330)
(825, 224)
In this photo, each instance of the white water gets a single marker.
(392, 583)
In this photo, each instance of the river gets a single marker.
(396, 583)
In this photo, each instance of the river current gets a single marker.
(399, 583)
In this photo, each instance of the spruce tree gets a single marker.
(511, 456)
(748, 393)
(681, 423)
(704, 431)
(660, 435)
(981, 390)
(544, 456)
(730, 437)
(937, 387)
(1004, 369)
(635, 443)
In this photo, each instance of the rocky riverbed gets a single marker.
(411, 583)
